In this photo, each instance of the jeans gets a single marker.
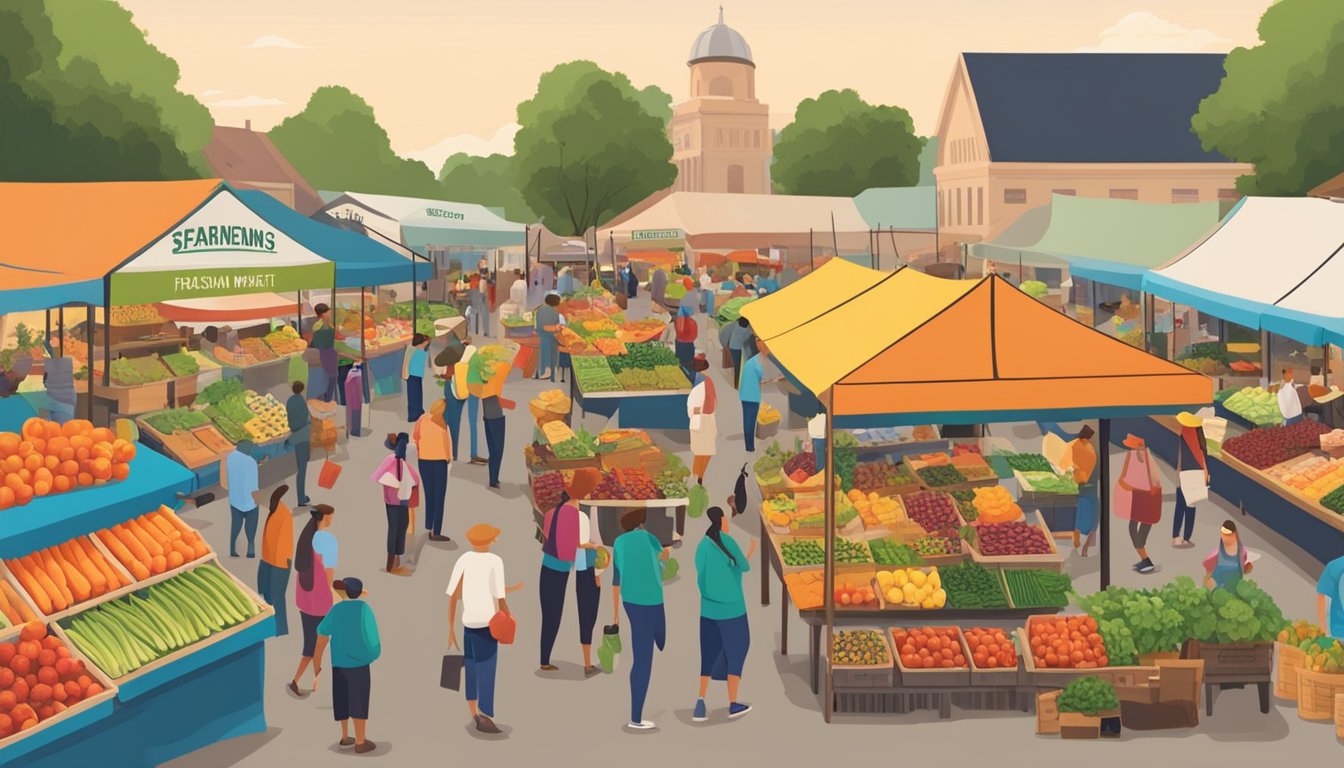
(686, 355)
(480, 314)
(238, 519)
(648, 629)
(415, 398)
(749, 412)
(398, 517)
(452, 414)
(819, 452)
(301, 453)
(1085, 518)
(550, 354)
(271, 585)
(481, 657)
(588, 594)
(1183, 519)
(724, 643)
(60, 412)
(551, 586)
(494, 443)
(434, 487)
(473, 416)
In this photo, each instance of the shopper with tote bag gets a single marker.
(1138, 499)
(1192, 471)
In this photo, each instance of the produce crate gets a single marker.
(1058, 678)
(135, 400)
(112, 562)
(772, 489)
(952, 559)
(1236, 662)
(1000, 676)
(957, 677)
(65, 724)
(1291, 660)
(1047, 713)
(866, 675)
(882, 598)
(777, 542)
(1051, 562)
(1075, 725)
(1316, 694)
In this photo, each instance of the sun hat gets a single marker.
(445, 325)
(1133, 441)
(481, 534)
(1188, 419)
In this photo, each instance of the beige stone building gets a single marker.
(1017, 128)
(721, 134)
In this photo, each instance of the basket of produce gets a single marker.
(52, 661)
(931, 657)
(894, 553)
(593, 374)
(884, 478)
(810, 517)
(971, 586)
(61, 579)
(546, 489)
(995, 504)
(152, 544)
(108, 459)
(779, 511)
(854, 588)
(879, 514)
(1263, 448)
(862, 658)
(1254, 407)
(550, 406)
(1025, 543)
(943, 548)
(994, 656)
(173, 420)
(799, 553)
(934, 512)
(1062, 649)
(767, 421)
(941, 478)
(136, 314)
(1290, 652)
(910, 589)
(1035, 588)
(1320, 680)
(133, 372)
(181, 364)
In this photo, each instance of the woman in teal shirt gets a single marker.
(637, 583)
(413, 371)
(1330, 598)
(725, 635)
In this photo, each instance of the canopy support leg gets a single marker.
(828, 543)
(1104, 499)
(88, 331)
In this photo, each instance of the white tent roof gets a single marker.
(424, 212)
(711, 213)
(1275, 263)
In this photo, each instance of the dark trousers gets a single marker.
(481, 657)
(330, 367)
(588, 594)
(1183, 519)
(415, 398)
(736, 354)
(749, 412)
(434, 487)
(452, 414)
(238, 519)
(271, 585)
(351, 688)
(302, 452)
(648, 630)
(494, 445)
(398, 517)
(686, 355)
(819, 452)
(551, 586)
(341, 372)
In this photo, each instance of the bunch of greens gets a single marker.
(220, 390)
(846, 458)
(769, 467)
(1119, 641)
(1154, 626)
(1245, 614)
(1088, 696)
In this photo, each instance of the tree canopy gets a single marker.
(589, 147)
(1281, 103)
(62, 118)
(488, 181)
(336, 143)
(838, 144)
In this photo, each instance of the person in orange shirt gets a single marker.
(277, 557)
(434, 450)
(1081, 460)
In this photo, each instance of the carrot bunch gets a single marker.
(153, 543)
(65, 575)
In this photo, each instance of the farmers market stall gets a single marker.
(977, 339)
(172, 685)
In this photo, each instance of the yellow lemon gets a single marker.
(918, 578)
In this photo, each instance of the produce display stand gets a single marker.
(192, 449)
(1233, 666)
(265, 376)
(665, 409)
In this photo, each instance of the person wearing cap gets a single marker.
(477, 582)
(352, 631)
(701, 405)
(1080, 458)
(1138, 498)
(240, 477)
(1229, 561)
(637, 583)
(566, 548)
(547, 322)
(1191, 457)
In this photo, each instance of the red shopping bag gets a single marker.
(503, 628)
(329, 474)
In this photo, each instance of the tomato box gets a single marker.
(936, 676)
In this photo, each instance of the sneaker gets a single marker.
(1185, 544)
(486, 725)
(700, 714)
(642, 725)
(1137, 565)
(1176, 542)
(1147, 567)
(736, 710)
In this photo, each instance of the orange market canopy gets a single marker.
(656, 258)
(910, 348)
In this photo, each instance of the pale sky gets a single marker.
(447, 74)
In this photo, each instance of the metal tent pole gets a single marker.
(1104, 499)
(107, 335)
(60, 319)
(828, 577)
(88, 331)
(811, 256)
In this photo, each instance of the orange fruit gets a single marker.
(50, 462)
(69, 468)
(52, 429)
(60, 484)
(6, 497)
(25, 475)
(9, 444)
(25, 449)
(42, 475)
(13, 463)
(13, 481)
(39, 446)
(121, 471)
(102, 435)
(102, 451)
(102, 469)
(82, 453)
(85, 478)
(41, 488)
(34, 427)
(33, 462)
(67, 453)
(55, 444)
(23, 494)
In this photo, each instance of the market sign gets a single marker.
(656, 234)
(222, 249)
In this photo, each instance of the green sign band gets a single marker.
(655, 234)
(149, 287)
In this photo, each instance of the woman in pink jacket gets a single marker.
(565, 550)
(391, 475)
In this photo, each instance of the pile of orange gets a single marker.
(47, 458)
(1067, 642)
(929, 648)
(991, 648)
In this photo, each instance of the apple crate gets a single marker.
(933, 677)
(865, 675)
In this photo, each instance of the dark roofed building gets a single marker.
(248, 160)
(1016, 128)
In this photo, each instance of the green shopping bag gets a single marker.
(698, 501)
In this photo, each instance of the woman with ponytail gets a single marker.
(315, 560)
(277, 555)
(725, 635)
(566, 547)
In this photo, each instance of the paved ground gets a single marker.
(414, 721)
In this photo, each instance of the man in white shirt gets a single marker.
(478, 583)
(1290, 402)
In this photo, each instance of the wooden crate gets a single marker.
(1075, 725)
(1236, 662)
(1060, 677)
(1047, 713)
(1316, 694)
(1051, 562)
(1000, 676)
(11, 635)
(937, 677)
(882, 598)
(1290, 659)
(866, 675)
(135, 400)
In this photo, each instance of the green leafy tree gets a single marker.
(928, 159)
(103, 32)
(838, 144)
(66, 122)
(336, 143)
(1281, 103)
(589, 147)
(489, 181)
